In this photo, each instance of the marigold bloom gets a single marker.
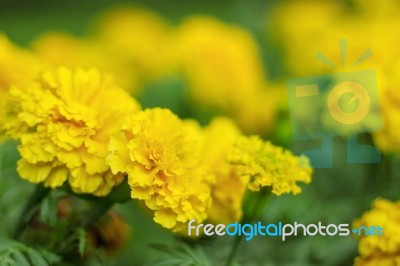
(304, 34)
(371, 29)
(380, 250)
(219, 137)
(139, 38)
(388, 139)
(64, 123)
(267, 165)
(160, 154)
(63, 50)
(224, 71)
(17, 67)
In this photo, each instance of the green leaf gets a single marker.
(82, 241)
(8, 159)
(20, 258)
(182, 255)
(167, 262)
(48, 211)
(6, 258)
(51, 258)
(16, 253)
(36, 258)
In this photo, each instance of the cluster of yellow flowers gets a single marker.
(69, 104)
(382, 250)
(126, 43)
(220, 62)
(365, 25)
(318, 30)
(224, 71)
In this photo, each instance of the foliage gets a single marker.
(14, 253)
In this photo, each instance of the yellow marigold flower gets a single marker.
(388, 139)
(140, 38)
(258, 112)
(267, 165)
(382, 9)
(17, 67)
(380, 250)
(219, 137)
(161, 156)
(13, 62)
(64, 124)
(224, 71)
(63, 50)
(377, 24)
(304, 34)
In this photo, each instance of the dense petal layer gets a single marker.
(64, 123)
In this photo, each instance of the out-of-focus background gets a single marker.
(206, 58)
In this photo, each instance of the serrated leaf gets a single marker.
(36, 258)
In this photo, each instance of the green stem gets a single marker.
(233, 250)
(256, 203)
(34, 199)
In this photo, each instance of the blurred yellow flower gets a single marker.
(132, 44)
(64, 123)
(17, 67)
(380, 250)
(63, 49)
(161, 156)
(139, 38)
(378, 9)
(60, 49)
(224, 71)
(219, 137)
(266, 165)
(304, 34)
(302, 26)
(367, 26)
(388, 139)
